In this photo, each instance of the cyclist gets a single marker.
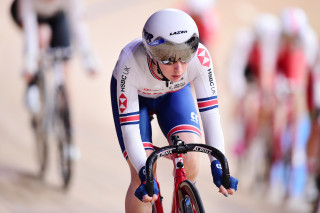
(49, 24)
(206, 16)
(296, 56)
(314, 109)
(252, 71)
(152, 76)
(313, 146)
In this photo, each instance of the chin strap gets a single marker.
(164, 78)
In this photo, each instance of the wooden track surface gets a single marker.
(101, 174)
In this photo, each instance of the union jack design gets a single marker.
(205, 104)
(130, 118)
(183, 128)
(146, 145)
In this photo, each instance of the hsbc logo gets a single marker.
(124, 78)
(122, 103)
(203, 57)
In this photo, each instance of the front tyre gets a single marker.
(64, 136)
(41, 147)
(38, 122)
(189, 198)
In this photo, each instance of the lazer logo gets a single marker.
(179, 32)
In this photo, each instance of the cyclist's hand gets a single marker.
(28, 76)
(92, 72)
(90, 64)
(141, 191)
(217, 179)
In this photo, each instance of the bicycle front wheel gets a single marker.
(64, 136)
(40, 130)
(189, 198)
(41, 147)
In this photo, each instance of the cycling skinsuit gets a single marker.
(292, 64)
(137, 92)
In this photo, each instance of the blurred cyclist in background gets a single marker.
(50, 24)
(204, 13)
(314, 110)
(252, 69)
(152, 76)
(296, 57)
(313, 146)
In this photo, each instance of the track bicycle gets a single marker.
(256, 143)
(53, 118)
(186, 197)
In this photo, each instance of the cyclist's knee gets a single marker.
(189, 137)
(192, 165)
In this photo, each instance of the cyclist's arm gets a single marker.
(30, 32)
(316, 85)
(76, 16)
(238, 61)
(207, 98)
(126, 91)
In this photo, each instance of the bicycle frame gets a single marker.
(179, 177)
(176, 151)
(53, 74)
(54, 117)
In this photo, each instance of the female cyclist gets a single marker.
(152, 76)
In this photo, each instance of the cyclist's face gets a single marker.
(174, 71)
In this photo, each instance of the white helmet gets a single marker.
(170, 35)
(198, 6)
(294, 21)
(266, 23)
(266, 27)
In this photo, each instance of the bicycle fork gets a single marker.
(53, 80)
(179, 177)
